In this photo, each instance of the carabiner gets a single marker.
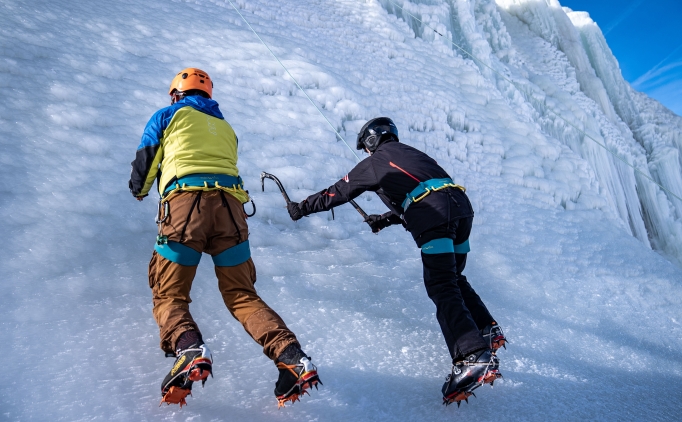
(166, 213)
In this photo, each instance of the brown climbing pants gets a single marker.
(211, 222)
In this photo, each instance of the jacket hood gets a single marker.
(205, 105)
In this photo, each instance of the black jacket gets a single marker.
(392, 172)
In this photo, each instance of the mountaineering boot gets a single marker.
(494, 336)
(296, 375)
(469, 373)
(192, 364)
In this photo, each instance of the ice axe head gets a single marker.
(265, 175)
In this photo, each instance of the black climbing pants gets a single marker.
(460, 311)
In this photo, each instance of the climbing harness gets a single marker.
(208, 182)
(205, 182)
(423, 190)
(200, 183)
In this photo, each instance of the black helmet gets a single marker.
(376, 131)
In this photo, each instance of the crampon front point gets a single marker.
(176, 395)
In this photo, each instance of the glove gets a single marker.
(378, 222)
(294, 211)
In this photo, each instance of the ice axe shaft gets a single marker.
(360, 210)
(265, 175)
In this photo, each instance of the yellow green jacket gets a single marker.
(188, 137)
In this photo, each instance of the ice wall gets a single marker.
(658, 135)
(81, 79)
(554, 67)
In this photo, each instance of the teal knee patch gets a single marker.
(178, 253)
(436, 246)
(233, 256)
(463, 248)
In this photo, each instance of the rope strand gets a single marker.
(294, 79)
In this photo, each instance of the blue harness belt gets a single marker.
(423, 189)
(206, 181)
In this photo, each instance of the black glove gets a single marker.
(294, 211)
(378, 222)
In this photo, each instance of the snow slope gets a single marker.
(560, 244)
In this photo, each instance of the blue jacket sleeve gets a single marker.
(150, 145)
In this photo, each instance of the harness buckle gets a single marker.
(427, 191)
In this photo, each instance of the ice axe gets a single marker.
(265, 175)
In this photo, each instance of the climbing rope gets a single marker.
(294, 79)
(463, 50)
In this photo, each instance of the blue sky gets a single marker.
(646, 38)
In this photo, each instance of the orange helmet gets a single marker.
(192, 78)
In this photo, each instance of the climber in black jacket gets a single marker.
(423, 198)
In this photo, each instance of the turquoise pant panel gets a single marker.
(463, 247)
(178, 253)
(233, 256)
(445, 245)
(436, 246)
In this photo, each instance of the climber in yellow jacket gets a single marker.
(191, 151)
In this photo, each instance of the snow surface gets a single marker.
(561, 242)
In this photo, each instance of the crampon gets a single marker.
(467, 375)
(306, 377)
(192, 365)
(176, 395)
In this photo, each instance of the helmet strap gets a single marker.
(177, 96)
